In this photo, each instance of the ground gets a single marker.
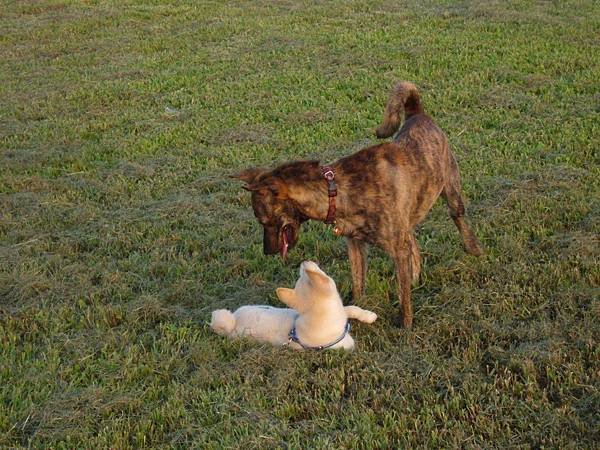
(120, 230)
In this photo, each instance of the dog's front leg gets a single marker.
(357, 254)
(362, 315)
(402, 258)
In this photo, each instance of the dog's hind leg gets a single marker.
(363, 315)
(456, 208)
(357, 254)
(402, 255)
(415, 257)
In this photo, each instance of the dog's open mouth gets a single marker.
(287, 234)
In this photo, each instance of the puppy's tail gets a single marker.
(403, 99)
(222, 322)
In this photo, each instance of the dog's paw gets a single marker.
(369, 317)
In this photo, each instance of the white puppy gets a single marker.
(317, 318)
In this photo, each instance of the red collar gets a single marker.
(331, 193)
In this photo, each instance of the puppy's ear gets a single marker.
(317, 278)
(248, 175)
(287, 296)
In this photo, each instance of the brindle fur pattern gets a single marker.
(384, 191)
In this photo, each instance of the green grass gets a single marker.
(120, 231)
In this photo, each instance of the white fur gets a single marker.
(315, 309)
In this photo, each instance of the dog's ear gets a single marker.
(248, 175)
(317, 278)
(287, 296)
(275, 185)
(265, 184)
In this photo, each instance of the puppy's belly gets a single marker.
(264, 323)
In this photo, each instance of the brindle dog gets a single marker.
(384, 191)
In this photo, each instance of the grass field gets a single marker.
(120, 231)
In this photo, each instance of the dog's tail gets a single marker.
(222, 322)
(403, 99)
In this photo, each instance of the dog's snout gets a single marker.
(268, 251)
(270, 241)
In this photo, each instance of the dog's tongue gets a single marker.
(284, 243)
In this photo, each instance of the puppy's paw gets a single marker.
(369, 317)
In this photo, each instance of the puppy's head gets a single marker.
(278, 215)
(313, 288)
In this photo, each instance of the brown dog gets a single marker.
(376, 196)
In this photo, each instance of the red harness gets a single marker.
(331, 193)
